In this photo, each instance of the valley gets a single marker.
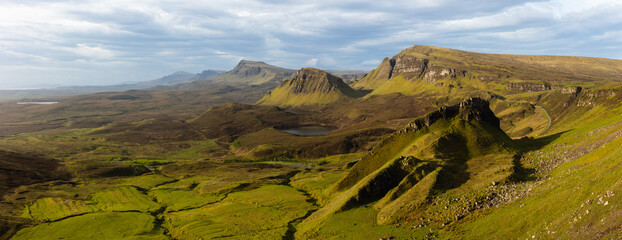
(433, 143)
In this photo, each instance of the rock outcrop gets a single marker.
(568, 90)
(528, 87)
(410, 68)
(311, 80)
(471, 109)
(309, 86)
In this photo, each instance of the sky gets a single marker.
(104, 42)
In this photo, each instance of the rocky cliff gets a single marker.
(410, 68)
(309, 86)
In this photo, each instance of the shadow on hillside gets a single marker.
(528, 144)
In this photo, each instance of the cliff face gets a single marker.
(248, 68)
(527, 87)
(410, 67)
(309, 86)
(310, 80)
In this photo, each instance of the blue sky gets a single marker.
(82, 42)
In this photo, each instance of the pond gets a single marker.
(38, 103)
(309, 131)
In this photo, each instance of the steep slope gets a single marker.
(458, 150)
(431, 65)
(309, 86)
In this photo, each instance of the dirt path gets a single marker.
(547, 115)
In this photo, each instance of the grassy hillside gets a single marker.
(457, 150)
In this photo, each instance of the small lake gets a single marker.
(38, 103)
(309, 131)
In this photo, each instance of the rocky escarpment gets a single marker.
(471, 109)
(310, 86)
(539, 87)
(245, 68)
(310, 80)
(410, 68)
(528, 87)
(568, 90)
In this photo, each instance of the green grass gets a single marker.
(124, 199)
(318, 184)
(148, 181)
(359, 223)
(126, 225)
(109, 200)
(50, 209)
(177, 200)
(260, 213)
(580, 200)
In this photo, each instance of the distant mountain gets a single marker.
(255, 73)
(310, 86)
(206, 75)
(348, 75)
(156, 84)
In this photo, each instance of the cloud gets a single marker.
(93, 52)
(312, 62)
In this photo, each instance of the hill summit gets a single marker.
(456, 149)
(310, 86)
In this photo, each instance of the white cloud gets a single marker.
(312, 62)
(94, 52)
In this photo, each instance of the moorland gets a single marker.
(433, 143)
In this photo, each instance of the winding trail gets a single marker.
(547, 115)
